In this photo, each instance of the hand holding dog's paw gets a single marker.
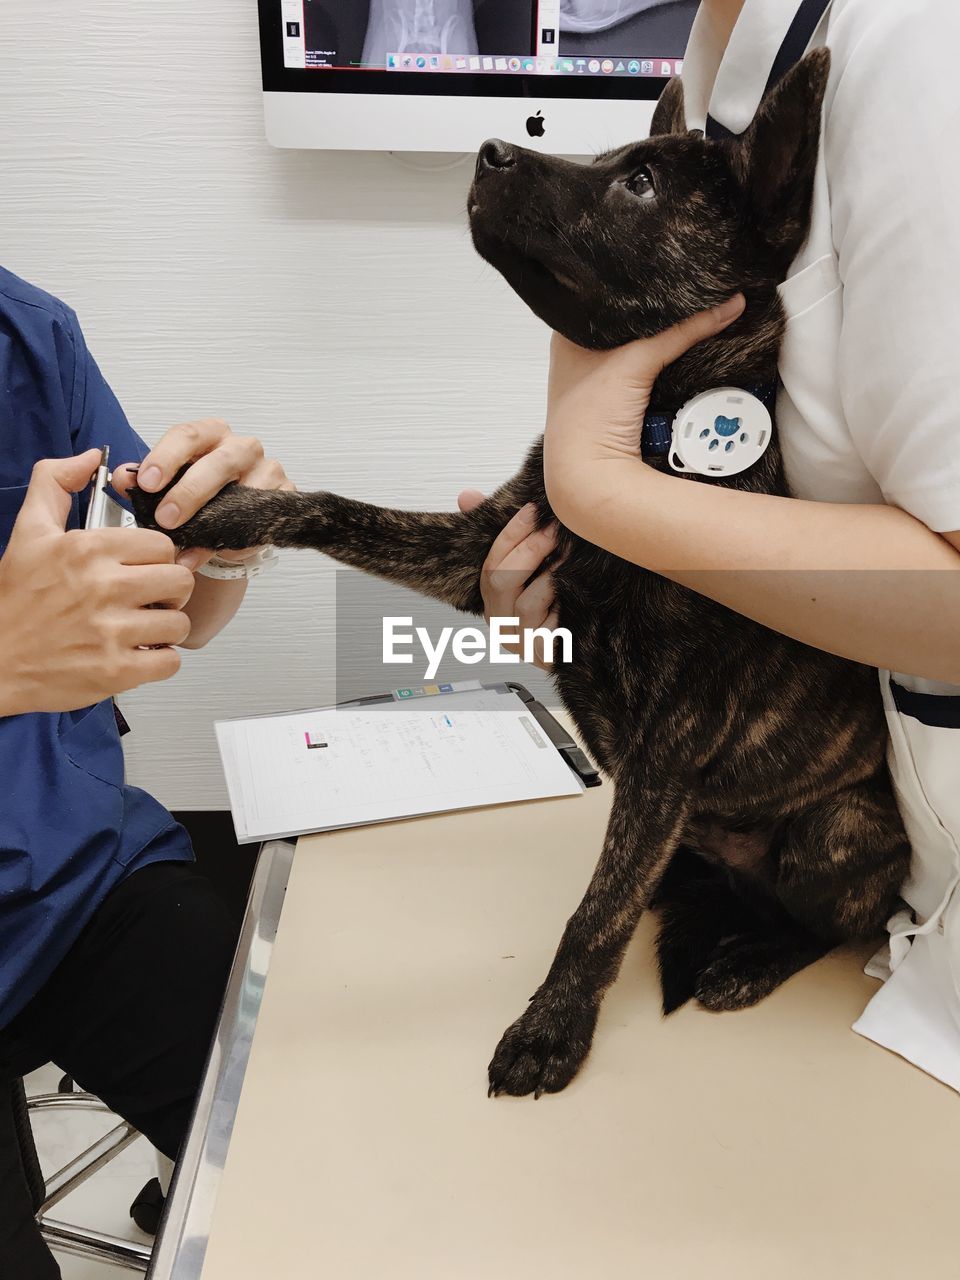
(543, 1050)
(223, 522)
(185, 485)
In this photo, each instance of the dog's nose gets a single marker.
(495, 154)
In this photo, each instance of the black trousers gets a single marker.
(129, 1014)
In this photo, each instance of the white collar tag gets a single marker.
(720, 433)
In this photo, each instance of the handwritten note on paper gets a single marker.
(346, 766)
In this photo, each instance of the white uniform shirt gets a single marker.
(870, 407)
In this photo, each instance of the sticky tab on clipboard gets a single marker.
(435, 690)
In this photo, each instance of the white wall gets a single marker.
(331, 304)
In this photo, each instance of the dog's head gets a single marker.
(650, 234)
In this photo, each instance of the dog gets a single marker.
(752, 805)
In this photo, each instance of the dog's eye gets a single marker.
(641, 184)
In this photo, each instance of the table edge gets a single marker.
(181, 1243)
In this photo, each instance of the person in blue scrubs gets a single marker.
(114, 951)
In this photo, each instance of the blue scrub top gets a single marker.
(70, 829)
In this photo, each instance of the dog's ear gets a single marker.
(669, 116)
(776, 159)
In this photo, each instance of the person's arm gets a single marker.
(875, 583)
(215, 457)
(871, 583)
(212, 606)
(218, 457)
(75, 621)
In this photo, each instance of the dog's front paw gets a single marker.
(236, 518)
(543, 1050)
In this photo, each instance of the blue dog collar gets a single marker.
(657, 436)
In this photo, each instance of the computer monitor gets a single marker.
(569, 76)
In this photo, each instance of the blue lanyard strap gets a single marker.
(805, 22)
(657, 435)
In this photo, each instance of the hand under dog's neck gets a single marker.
(744, 355)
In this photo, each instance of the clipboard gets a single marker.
(572, 752)
(568, 747)
(375, 758)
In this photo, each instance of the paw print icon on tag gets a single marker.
(720, 433)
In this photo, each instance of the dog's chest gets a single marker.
(618, 626)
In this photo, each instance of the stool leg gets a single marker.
(85, 1165)
(65, 1236)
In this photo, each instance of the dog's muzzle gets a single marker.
(494, 156)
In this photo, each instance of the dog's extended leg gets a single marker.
(545, 1048)
(437, 553)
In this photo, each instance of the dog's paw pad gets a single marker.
(145, 506)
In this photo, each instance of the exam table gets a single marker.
(344, 1127)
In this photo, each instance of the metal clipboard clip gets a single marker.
(572, 752)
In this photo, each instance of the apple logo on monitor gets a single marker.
(536, 125)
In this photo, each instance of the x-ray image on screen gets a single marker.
(421, 26)
(360, 33)
(600, 15)
(625, 28)
(363, 34)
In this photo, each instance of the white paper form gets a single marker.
(349, 765)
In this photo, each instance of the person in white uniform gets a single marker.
(864, 561)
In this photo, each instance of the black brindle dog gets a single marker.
(752, 802)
